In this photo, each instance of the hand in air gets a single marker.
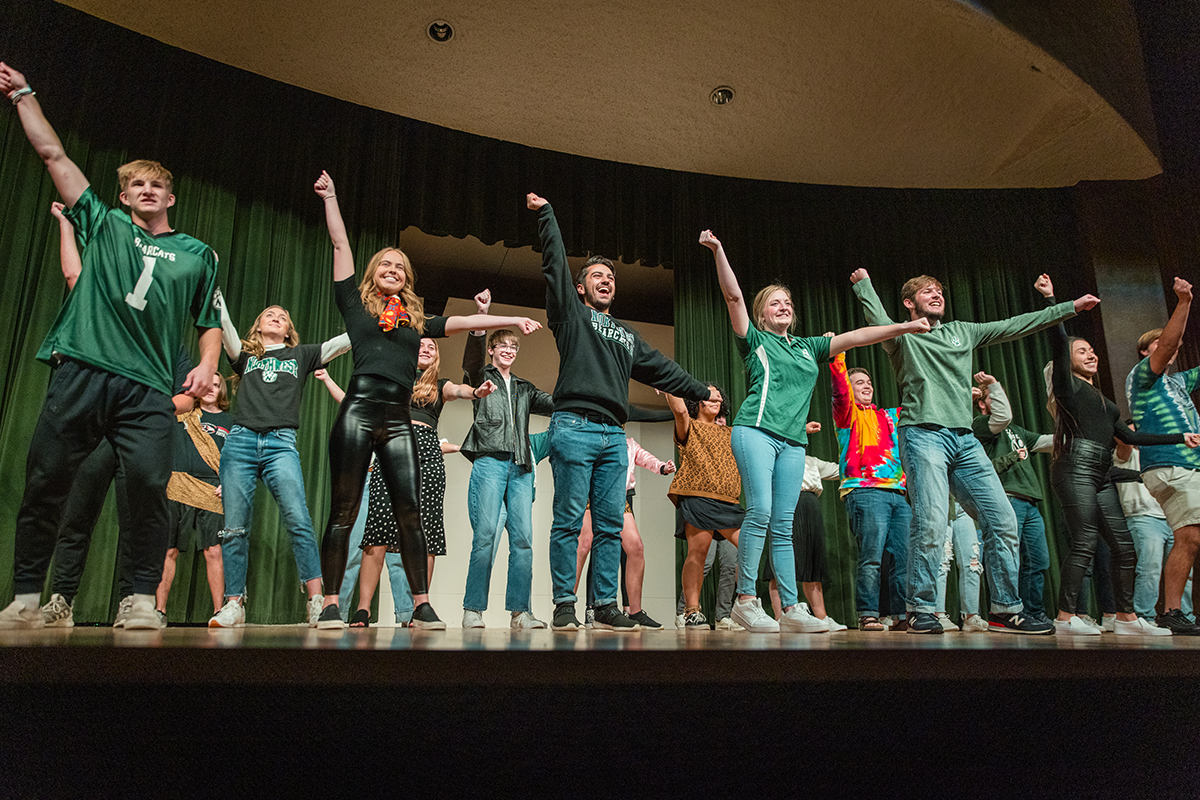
(708, 240)
(528, 325)
(57, 208)
(859, 274)
(324, 186)
(10, 80)
(484, 389)
(483, 301)
(1044, 285)
(321, 374)
(534, 202)
(983, 379)
(1192, 440)
(667, 468)
(1086, 303)
(1183, 290)
(812, 427)
(976, 394)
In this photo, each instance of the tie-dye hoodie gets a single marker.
(870, 456)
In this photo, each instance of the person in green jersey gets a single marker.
(769, 435)
(114, 343)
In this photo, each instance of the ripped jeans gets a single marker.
(964, 545)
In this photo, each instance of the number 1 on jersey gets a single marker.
(137, 298)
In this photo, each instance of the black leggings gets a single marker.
(374, 418)
(1092, 509)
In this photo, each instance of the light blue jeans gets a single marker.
(1152, 538)
(402, 597)
(940, 460)
(500, 495)
(589, 462)
(247, 456)
(772, 473)
(965, 547)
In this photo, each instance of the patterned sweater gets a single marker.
(706, 465)
(870, 452)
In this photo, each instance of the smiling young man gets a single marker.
(597, 357)
(940, 453)
(114, 344)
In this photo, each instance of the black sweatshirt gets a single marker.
(598, 354)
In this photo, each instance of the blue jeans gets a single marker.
(500, 494)
(401, 595)
(272, 456)
(1035, 555)
(965, 548)
(880, 520)
(940, 460)
(1152, 537)
(589, 462)
(771, 470)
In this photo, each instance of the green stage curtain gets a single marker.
(245, 151)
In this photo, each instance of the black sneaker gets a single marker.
(611, 618)
(1175, 621)
(1019, 623)
(425, 618)
(645, 621)
(331, 618)
(695, 619)
(921, 622)
(564, 618)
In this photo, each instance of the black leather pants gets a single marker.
(374, 418)
(1092, 509)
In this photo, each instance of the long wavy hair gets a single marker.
(693, 406)
(424, 391)
(375, 303)
(1064, 423)
(253, 343)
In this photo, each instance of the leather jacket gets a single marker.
(495, 433)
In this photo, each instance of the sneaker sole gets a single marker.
(926, 632)
(330, 624)
(574, 626)
(436, 625)
(746, 626)
(1002, 629)
(143, 625)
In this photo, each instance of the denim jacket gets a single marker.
(494, 432)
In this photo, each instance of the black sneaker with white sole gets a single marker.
(564, 618)
(330, 619)
(610, 617)
(1021, 623)
(921, 622)
(1178, 624)
(425, 618)
(645, 621)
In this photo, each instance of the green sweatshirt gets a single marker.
(934, 369)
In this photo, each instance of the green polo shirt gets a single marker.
(782, 374)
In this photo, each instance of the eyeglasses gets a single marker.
(506, 348)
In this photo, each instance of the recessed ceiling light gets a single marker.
(721, 95)
(440, 31)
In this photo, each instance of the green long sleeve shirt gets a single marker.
(934, 369)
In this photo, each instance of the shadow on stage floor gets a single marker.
(286, 710)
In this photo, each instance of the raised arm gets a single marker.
(734, 301)
(843, 392)
(343, 259)
(1060, 354)
(683, 421)
(842, 342)
(872, 308)
(1172, 333)
(561, 297)
(1001, 416)
(229, 335)
(68, 251)
(68, 178)
(324, 377)
(488, 322)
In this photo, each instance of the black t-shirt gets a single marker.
(391, 355)
(431, 413)
(186, 457)
(271, 387)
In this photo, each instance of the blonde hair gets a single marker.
(374, 302)
(425, 390)
(150, 169)
(253, 343)
(760, 304)
(222, 394)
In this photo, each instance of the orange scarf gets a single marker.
(394, 314)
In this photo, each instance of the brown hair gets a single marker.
(856, 371)
(591, 262)
(425, 390)
(504, 336)
(1148, 338)
(760, 304)
(914, 285)
(373, 301)
(150, 169)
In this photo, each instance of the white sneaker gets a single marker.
(798, 619)
(472, 619)
(231, 615)
(16, 615)
(143, 616)
(947, 623)
(57, 612)
(833, 625)
(727, 624)
(1109, 623)
(680, 622)
(315, 604)
(123, 609)
(1075, 627)
(974, 624)
(1091, 623)
(523, 620)
(1139, 627)
(750, 615)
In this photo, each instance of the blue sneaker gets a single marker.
(1019, 623)
(920, 622)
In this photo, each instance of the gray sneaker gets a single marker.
(144, 616)
(57, 612)
(472, 619)
(523, 620)
(123, 609)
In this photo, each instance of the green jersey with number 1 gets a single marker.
(124, 313)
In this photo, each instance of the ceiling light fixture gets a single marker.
(722, 95)
(440, 31)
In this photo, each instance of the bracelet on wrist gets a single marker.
(19, 93)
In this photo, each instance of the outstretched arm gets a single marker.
(1172, 334)
(683, 422)
(68, 251)
(462, 391)
(324, 377)
(68, 178)
(488, 322)
(842, 342)
(343, 259)
(734, 301)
